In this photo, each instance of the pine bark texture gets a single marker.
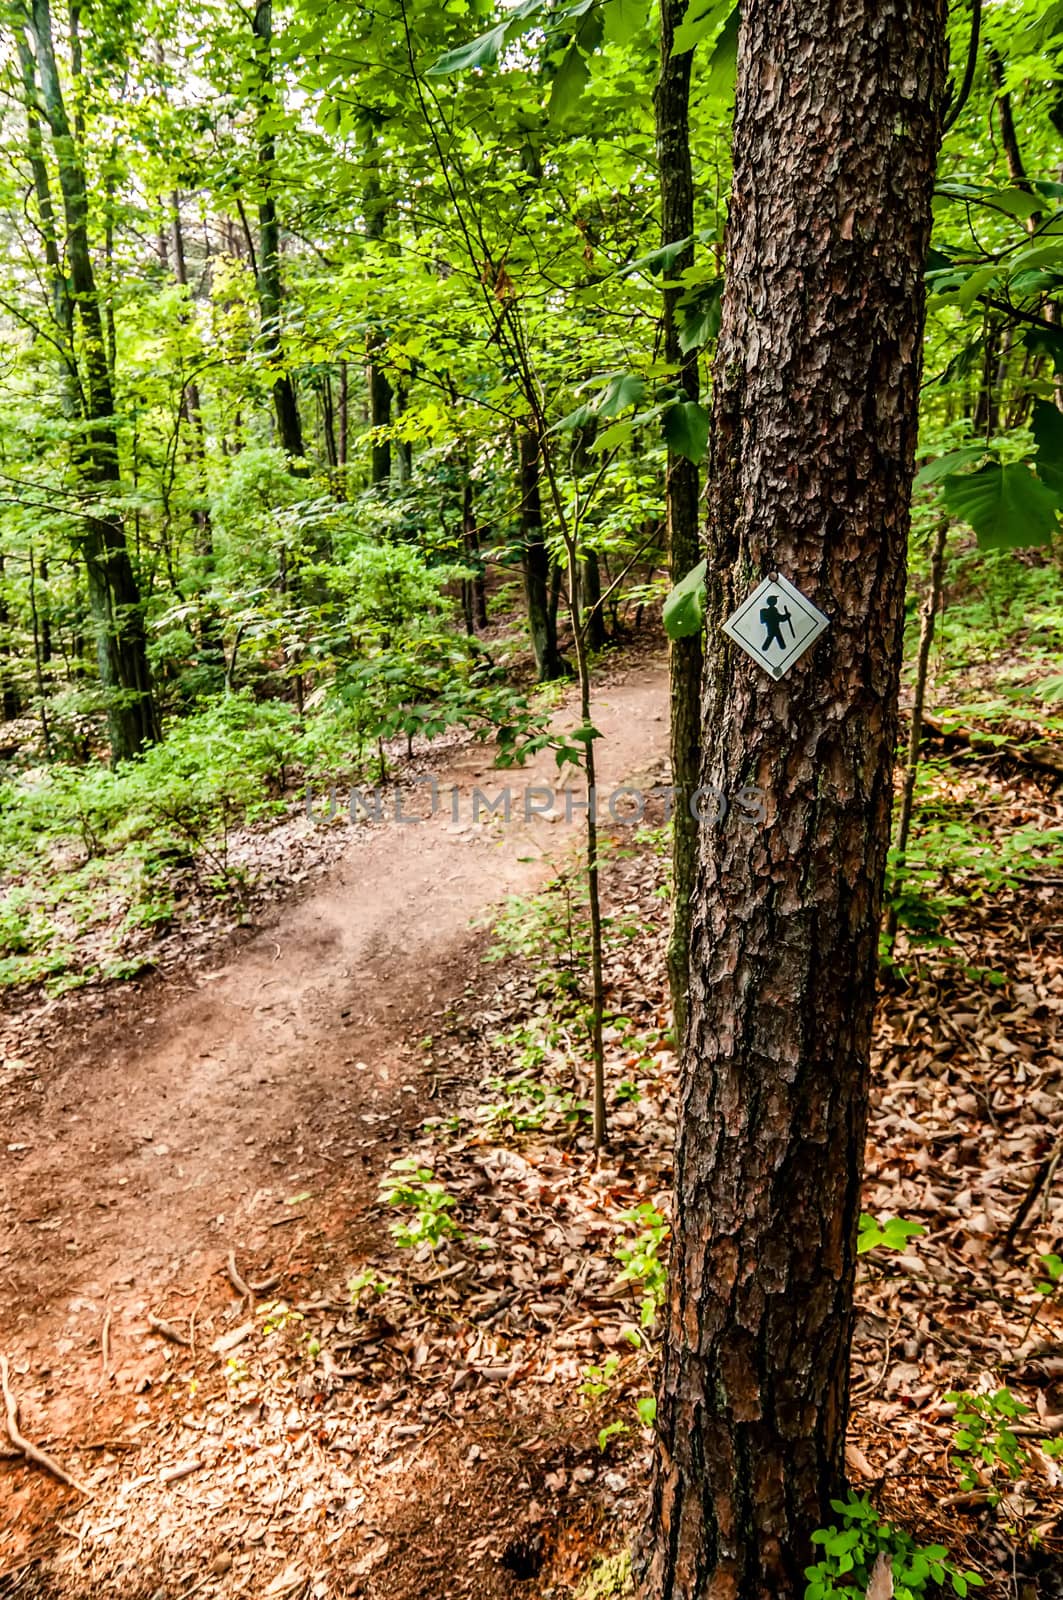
(837, 129)
(672, 107)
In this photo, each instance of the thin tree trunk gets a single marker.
(343, 418)
(542, 618)
(470, 533)
(380, 391)
(931, 607)
(270, 287)
(38, 661)
(114, 596)
(837, 128)
(10, 700)
(328, 423)
(591, 585)
(58, 288)
(672, 104)
(192, 403)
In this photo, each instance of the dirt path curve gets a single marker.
(225, 1119)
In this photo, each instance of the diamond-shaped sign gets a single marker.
(776, 625)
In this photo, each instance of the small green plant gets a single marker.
(414, 1188)
(984, 1435)
(892, 1233)
(598, 1380)
(525, 1105)
(642, 1257)
(279, 1315)
(364, 1285)
(1052, 1282)
(851, 1551)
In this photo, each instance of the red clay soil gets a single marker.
(251, 1109)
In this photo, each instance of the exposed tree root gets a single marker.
(31, 1452)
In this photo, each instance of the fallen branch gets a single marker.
(1041, 1178)
(1045, 757)
(30, 1451)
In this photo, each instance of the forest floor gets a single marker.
(402, 1423)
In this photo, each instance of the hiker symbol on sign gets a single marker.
(776, 625)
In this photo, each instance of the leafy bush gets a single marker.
(851, 1551)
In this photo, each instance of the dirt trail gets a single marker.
(241, 1115)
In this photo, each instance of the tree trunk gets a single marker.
(931, 607)
(10, 699)
(270, 288)
(672, 104)
(837, 129)
(380, 391)
(114, 597)
(470, 535)
(542, 617)
(343, 422)
(192, 404)
(591, 585)
(58, 288)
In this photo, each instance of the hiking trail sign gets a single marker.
(776, 625)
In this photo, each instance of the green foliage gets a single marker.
(893, 1233)
(852, 1547)
(984, 1442)
(412, 1188)
(1052, 1282)
(643, 1259)
(684, 608)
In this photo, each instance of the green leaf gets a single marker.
(702, 21)
(1007, 507)
(484, 50)
(1046, 341)
(723, 65)
(618, 434)
(1048, 433)
(571, 80)
(686, 430)
(480, 52)
(623, 389)
(951, 461)
(684, 609)
(623, 19)
(699, 314)
(975, 284)
(647, 1410)
(662, 259)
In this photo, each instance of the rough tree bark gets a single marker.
(114, 596)
(837, 127)
(672, 103)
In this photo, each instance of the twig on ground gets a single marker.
(167, 1331)
(192, 1323)
(105, 1345)
(1041, 1178)
(184, 1469)
(31, 1452)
